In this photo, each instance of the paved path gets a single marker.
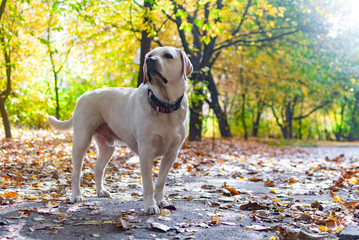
(201, 212)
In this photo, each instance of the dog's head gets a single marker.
(166, 68)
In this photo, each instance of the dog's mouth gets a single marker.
(153, 72)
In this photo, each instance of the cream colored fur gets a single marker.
(123, 114)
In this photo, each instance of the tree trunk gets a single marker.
(145, 41)
(353, 122)
(5, 119)
(256, 123)
(288, 121)
(338, 134)
(214, 104)
(244, 116)
(2, 8)
(5, 94)
(57, 96)
(195, 121)
(300, 128)
(260, 107)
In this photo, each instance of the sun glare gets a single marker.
(353, 11)
(345, 18)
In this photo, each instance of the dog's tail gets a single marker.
(60, 125)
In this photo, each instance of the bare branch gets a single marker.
(312, 111)
(238, 42)
(243, 18)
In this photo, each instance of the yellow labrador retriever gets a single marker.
(150, 119)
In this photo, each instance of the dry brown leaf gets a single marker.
(351, 205)
(123, 223)
(335, 197)
(269, 184)
(255, 179)
(292, 180)
(252, 206)
(232, 191)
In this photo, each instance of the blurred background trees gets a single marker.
(262, 68)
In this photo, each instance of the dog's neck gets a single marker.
(161, 106)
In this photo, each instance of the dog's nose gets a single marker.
(151, 60)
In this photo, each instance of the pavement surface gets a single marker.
(198, 213)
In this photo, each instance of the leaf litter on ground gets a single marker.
(36, 167)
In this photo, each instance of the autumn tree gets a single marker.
(5, 94)
(58, 58)
(207, 29)
(9, 45)
(146, 37)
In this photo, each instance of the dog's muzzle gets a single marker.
(151, 65)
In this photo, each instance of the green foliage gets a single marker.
(276, 53)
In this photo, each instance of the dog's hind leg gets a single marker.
(81, 142)
(104, 156)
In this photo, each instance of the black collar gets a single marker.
(163, 107)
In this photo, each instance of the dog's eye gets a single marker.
(169, 56)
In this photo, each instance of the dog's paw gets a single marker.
(152, 210)
(162, 203)
(75, 199)
(103, 193)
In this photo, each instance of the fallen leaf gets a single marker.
(90, 222)
(162, 218)
(165, 212)
(322, 228)
(160, 226)
(258, 228)
(228, 223)
(255, 179)
(123, 223)
(335, 197)
(351, 205)
(269, 184)
(318, 205)
(232, 191)
(252, 206)
(10, 195)
(292, 180)
(170, 207)
(208, 187)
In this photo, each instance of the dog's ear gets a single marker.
(145, 78)
(187, 67)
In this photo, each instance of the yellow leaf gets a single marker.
(10, 194)
(322, 228)
(165, 212)
(273, 11)
(353, 180)
(259, 12)
(276, 200)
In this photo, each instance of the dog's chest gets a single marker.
(167, 133)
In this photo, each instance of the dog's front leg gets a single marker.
(146, 162)
(166, 163)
